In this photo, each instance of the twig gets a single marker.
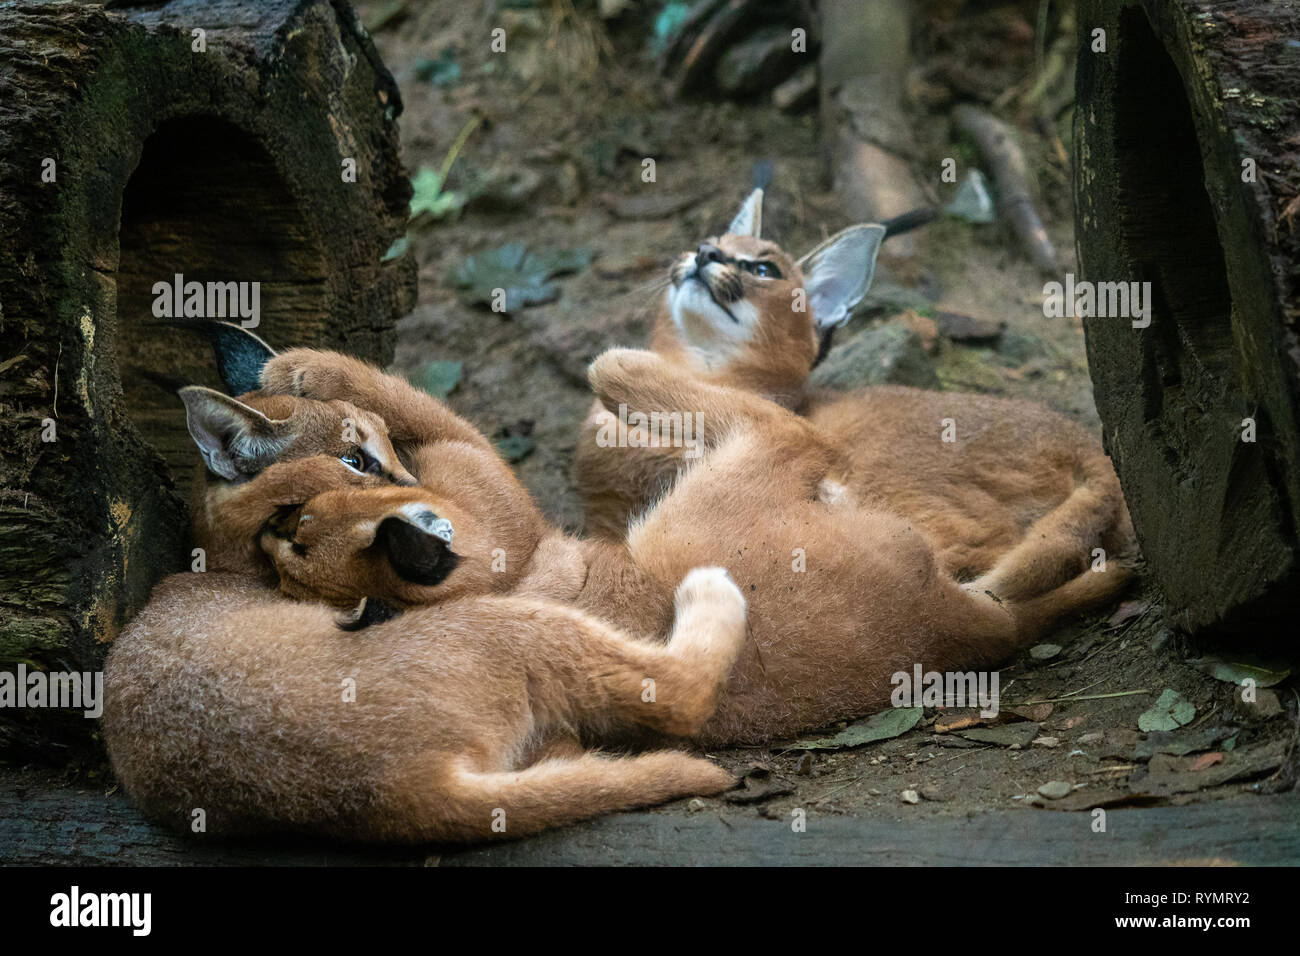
(997, 142)
(1066, 700)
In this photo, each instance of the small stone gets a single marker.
(874, 792)
(935, 795)
(967, 328)
(910, 796)
(696, 805)
(1265, 705)
(1047, 742)
(1017, 348)
(1055, 789)
(893, 354)
(1044, 652)
(797, 93)
(1093, 738)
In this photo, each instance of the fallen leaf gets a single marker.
(881, 726)
(1055, 789)
(1242, 669)
(1126, 612)
(438, 378)
(1206, 760)
(1034, 712)
(1007, 735)
(1170, 712)
(957, 719)
(1180, 743)
(759, 785)
(428, 198)
(522, 276)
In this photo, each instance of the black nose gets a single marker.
(707, 253)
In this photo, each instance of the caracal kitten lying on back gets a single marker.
(841, 596)
(457, 723)
(1017, 500)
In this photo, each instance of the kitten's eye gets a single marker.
(764, 270)
(354, 460)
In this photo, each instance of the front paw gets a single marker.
(306, 373)
(616, 371)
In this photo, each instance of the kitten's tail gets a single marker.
(480, 806)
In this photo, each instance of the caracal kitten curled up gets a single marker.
(841, 595)
(1015, 499)
(456, 723)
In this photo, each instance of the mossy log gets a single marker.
(1187, 176)
(134, 149)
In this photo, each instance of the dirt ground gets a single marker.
(580, 138)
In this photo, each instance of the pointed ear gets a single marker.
(418, 545)
(239, 353)
(236, 441)
(838, 272)
(240, 356)
(749, 221)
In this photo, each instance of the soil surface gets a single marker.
(582, 131)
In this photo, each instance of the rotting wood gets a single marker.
(221, 164)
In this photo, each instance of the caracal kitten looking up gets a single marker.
(1015, 499)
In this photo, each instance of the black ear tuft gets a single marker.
(239, 353)
(369, 611)
(417, 555)
(824, 346)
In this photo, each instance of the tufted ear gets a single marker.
(838, 272)
(749, 220)
(239, 353)
(236, 441)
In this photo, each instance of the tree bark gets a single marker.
(1186, 177)
(223, 165)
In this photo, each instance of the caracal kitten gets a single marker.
(468, 721)
(1015, 499)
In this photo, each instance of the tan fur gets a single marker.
(222, 696)
(1017, 504)
(824, 641)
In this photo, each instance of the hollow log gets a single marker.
(1186, 141)
(133, 150)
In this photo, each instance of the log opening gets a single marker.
(205, 202)
(1166, 223)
